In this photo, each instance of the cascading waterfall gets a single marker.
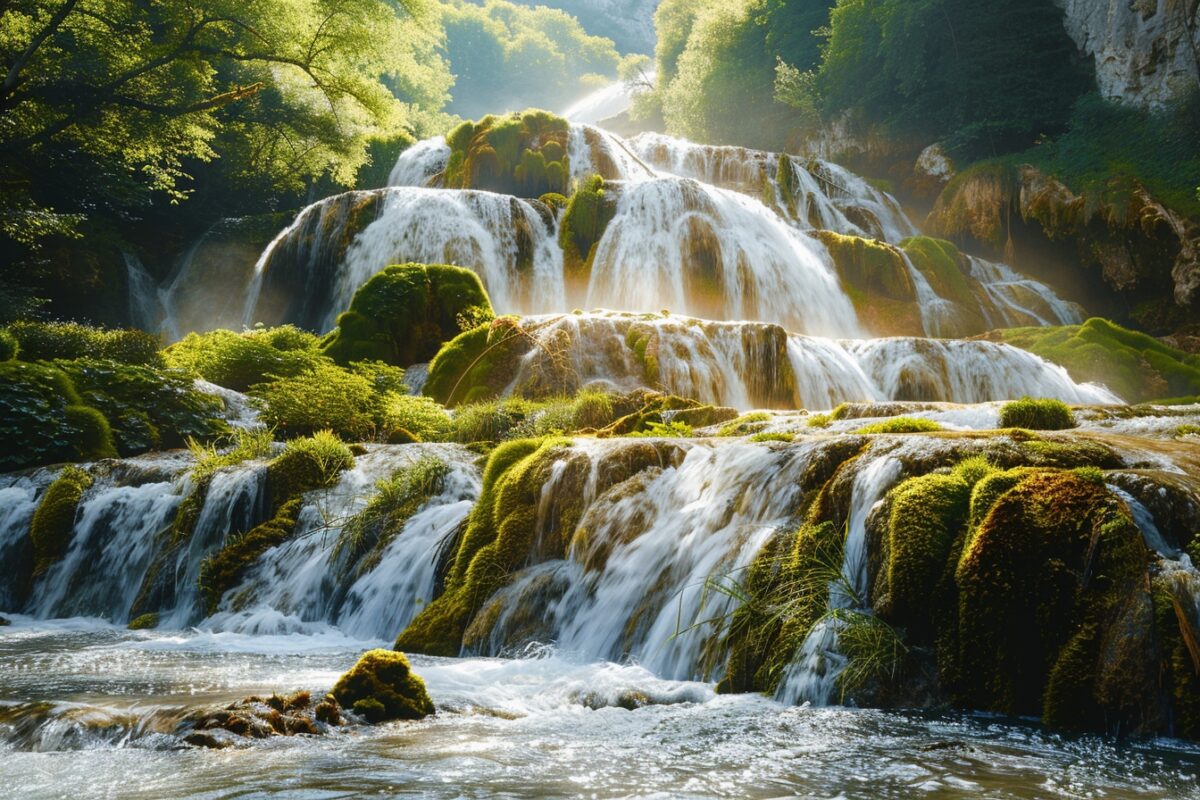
(145, 308)
(421, 163)
(1019, 300)
(812, 675)
(750, 365)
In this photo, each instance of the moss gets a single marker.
(144, 622)
(1135, 366)
(522, 154)
(240, 360)
(404, 314)
(306, 465)
(901, 425)
(878, 282)
(220, 571)
(1178, 657)
(643, 341)
(47, 341)
(9, 346)
(555, 200)
(1037, 415)
(587, 217)
(43, 419)
(382, 686)
(478, 364)
(54, 520)
(746, 424)
(772, 437)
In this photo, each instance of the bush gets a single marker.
(43, 419)
(47, 341)
(901, 425)
(305, 465)
(149, 408)
(420, 417)
(325, 397)
(405, 313)
(1037, 415)
(240, 360)
(9, 346)
(382, 686)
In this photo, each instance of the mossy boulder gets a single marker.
(1135, 366)
(261, 718)
(220, 571)
(878, 282)
(43, 419)
(949, 275)
(588, 214)
(1045, 414)
(143, 622)
(522, 154)
(478, 364)
(382, 686)
(54, 520)
(405, 313)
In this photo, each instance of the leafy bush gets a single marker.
(43, 419)
(422, 418)
(240, 360)
(1036, 415)
(47, 341)
(326, 397)
(149, 408)
(901, 425)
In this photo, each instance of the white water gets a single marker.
(145, 309)
(421, 163)
(812, 676)
(1021, 300)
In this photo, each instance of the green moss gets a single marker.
(305, 465)
(381, 686)
(144, 622)
(47, 341)
(240, 360)
(404, 314)
(478, 364)
(329, 397)
(901, 425)
(1135, 366)
(556, 201)
(220, 571)
(1178, 657)
(44, 420)
(1037, 415)
(587, 217)
(522, 154)
(772, 437)
(643, 341)
(1187, 430)
(877, 280)
(746, 424)
(54, 520)
(9, 346)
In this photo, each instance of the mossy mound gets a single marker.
(143, 622)
(9, 346)
(478, 364)
(948, 273)
(587, 216)
(878, 282)
(381, 686)
(901, 425)
(54, 520)
(1135, 366)
(262, 718)
(47, 341)
(404, 314)
(306, 465)
(43, 419)
(240, 360)
(1044, 414)
(522, 154)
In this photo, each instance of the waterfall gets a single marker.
(19, 495)
(145, 308)
(813, 674)
(751, 365)
(421, 163)
(1019, 300)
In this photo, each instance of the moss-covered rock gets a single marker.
(1045, 414)
(404, 314)
(261, 718)
(478, 364)
(143, 622)
(522, 154)
(220, 571)
(877, 280)
(901, 425)
(1135, 366)
(44, 420)
(381, 686)
(949, 275)
(582, 227)
(240, 360)
(54, 520)
(306, 465)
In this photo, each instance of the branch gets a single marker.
(14, 72)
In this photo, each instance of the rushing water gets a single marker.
(534, 727)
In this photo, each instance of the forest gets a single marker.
(707, 398)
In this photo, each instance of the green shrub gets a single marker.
(522, 154)
(422, 418)
(240, 360)
(242, 445)
(901, 425)
(47, 341)
(382, 686)
(9, 346)
(477, 364)
(1036, 415)
(405, 313)
(43, 419)
(149, 408)
(772, 437)
(325, 397)
(305, 465)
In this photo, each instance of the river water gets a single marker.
(539, 726)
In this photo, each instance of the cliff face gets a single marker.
(1146, 51)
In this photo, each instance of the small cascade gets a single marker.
(302, 586)
(1019, 300)
(751, 365)
(595, 151)
(709, 252)
(19, 495)
(937, 314)
(812, 676)
(145, 308)
(421, 163)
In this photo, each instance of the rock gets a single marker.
(4, 621)
(1145, 50)
(382, 686)
(932, 171)
(262, 718)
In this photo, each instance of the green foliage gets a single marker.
(240, 360)
(515, 417)
(47, 341)
(366, 535)
(305, 465)
(943, 266)
(44, 420)
(772, 437)
(523, 154)
(242, 445)
(325, 397)
(901, 425)
(9, 346)
(220, 571)
(149, 408)
(404, 314)
(477, 365)
(54, 520)
(746, 424)
(877, 280)
(582, 228)
(657, 430)
(420, 417)
(505, 55)
(1037, 415)
(381, 686)
(1133, 365)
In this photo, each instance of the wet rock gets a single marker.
(262, 718)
